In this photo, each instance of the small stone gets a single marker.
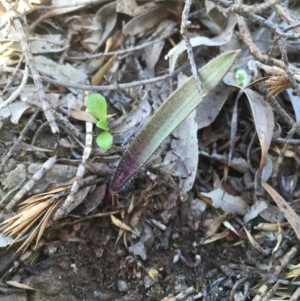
(49, 250)
(122, 286)
(175, 236)
(148, 281)
(120, 253)
(147, 237)
(65, 262)
(139, 249)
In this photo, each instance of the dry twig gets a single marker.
(30, 62)
(38, 175)
(63, 209)
(17, 142)
(184, 24)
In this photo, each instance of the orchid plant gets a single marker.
(173, 111)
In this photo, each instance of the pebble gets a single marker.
(123, 286)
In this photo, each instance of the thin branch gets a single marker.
(30, 61)
(63, 209)
(281, 156)
(108, 87)
(288, 16)
(17, 92)
(120, 52)
(254, 50)
(184, 24)
(16, 143)
(10, 80)
(38, 175)
(247, 12)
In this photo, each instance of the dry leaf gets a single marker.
(145, 21)
(288, 211)
(122, 225)
(254, 243)
(225, 201)
(20, 285)
(215, 237)
(215, 225)
(279, 239)
(263, 120)
(221, 39)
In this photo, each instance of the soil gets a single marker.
(99, 269)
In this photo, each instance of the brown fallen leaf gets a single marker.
(288, 211)
(264, 122)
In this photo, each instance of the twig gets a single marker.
(108, 87)
(184, 24)
(17, 92)
(283, 140)
(247, 12)
(38, 175)
(288, 16)
(234, 288)
(254, 50)
(276, 270)
(66, 124)
(282, 47)
(3, 200)
(9, 81)
(30, 62)
(257, 8)
(280, 158)
(63, 209)
(120, 52)
(38, 131)
(22, 134)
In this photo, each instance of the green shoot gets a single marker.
(96, 105)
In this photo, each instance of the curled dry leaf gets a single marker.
(254, 243)
(122, 225)
(288, 211)
(147, 20)
(215, 238)
(270, 227)
(279, 239)
(215, 225)
(263, 120)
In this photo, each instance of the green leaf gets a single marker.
(172, 112)
(102, 124)
(96, 104)
(104, 140)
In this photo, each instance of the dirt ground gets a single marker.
(211, 212)
(96, 268)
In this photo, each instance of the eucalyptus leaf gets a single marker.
(173, 111)
(96, 104)
(83, 116)
(104, 140)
